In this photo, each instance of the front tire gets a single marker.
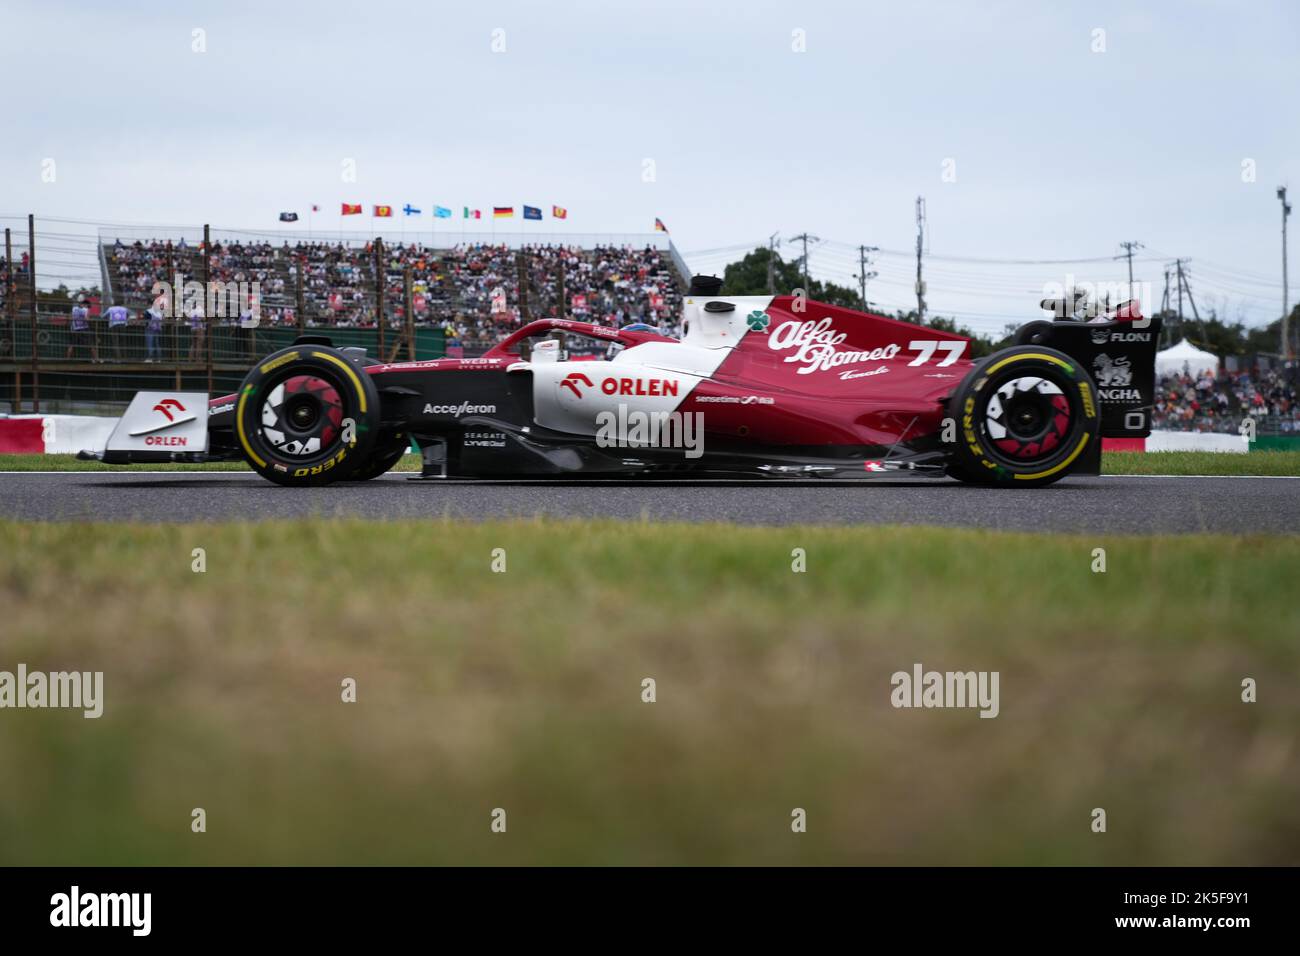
(306, 415)
(1025, 416)
(388, 452)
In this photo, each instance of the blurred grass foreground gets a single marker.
(524, 690)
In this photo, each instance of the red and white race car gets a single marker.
(756, 386)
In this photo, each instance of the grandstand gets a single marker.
(473, 290)
(1205, 403)
(457, 297)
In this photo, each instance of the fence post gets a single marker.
(11, 306)
(210, 330)
(523, 287)
(10, 309)
(175, 307)
(560, 311)
(31, 276)
(410, 314)
(379, 294)
(302, 308)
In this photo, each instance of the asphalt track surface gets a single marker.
(1108, 505)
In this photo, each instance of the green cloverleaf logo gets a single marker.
(758, 320)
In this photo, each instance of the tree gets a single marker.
(749, 277)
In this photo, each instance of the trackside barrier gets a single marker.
(53, 434)
(1179, 441)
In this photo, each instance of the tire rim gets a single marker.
(1028, 418)
(302, 416)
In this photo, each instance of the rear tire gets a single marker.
(1025, 416)
(306, 415)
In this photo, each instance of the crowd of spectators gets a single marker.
(475, 292)
(1208, 403)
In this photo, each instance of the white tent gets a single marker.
(1186, 358)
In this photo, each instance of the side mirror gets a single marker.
(546, 351)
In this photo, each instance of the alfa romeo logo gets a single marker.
(758, 320)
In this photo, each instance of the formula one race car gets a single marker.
(757, 386)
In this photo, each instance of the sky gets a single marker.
(1037, 132)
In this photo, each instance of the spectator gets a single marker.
(79, 333)
(198, 333)
(476, 292)
(117, 319)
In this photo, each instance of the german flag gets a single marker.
(659, 225)
(384, 212)
(351, 210)
(502, 212)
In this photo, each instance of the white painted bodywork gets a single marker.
(707, 341)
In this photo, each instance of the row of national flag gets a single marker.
(442, 212)
(439, 212)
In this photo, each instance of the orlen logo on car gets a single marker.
(572, 380)
(166, 406)
(654, 387)
(175, 414)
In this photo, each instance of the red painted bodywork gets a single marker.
(846, 398)
(854, 403)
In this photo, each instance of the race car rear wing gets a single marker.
(1119, 352)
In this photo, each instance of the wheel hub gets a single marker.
(1027, 417)
(302, 416)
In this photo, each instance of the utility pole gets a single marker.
(1183, 284)
(863, 275)
(1129, 248)
(805, 239)
(1166, 332)
(1178, 265)
(771, 262)
(1286, 316)
(920, 283)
